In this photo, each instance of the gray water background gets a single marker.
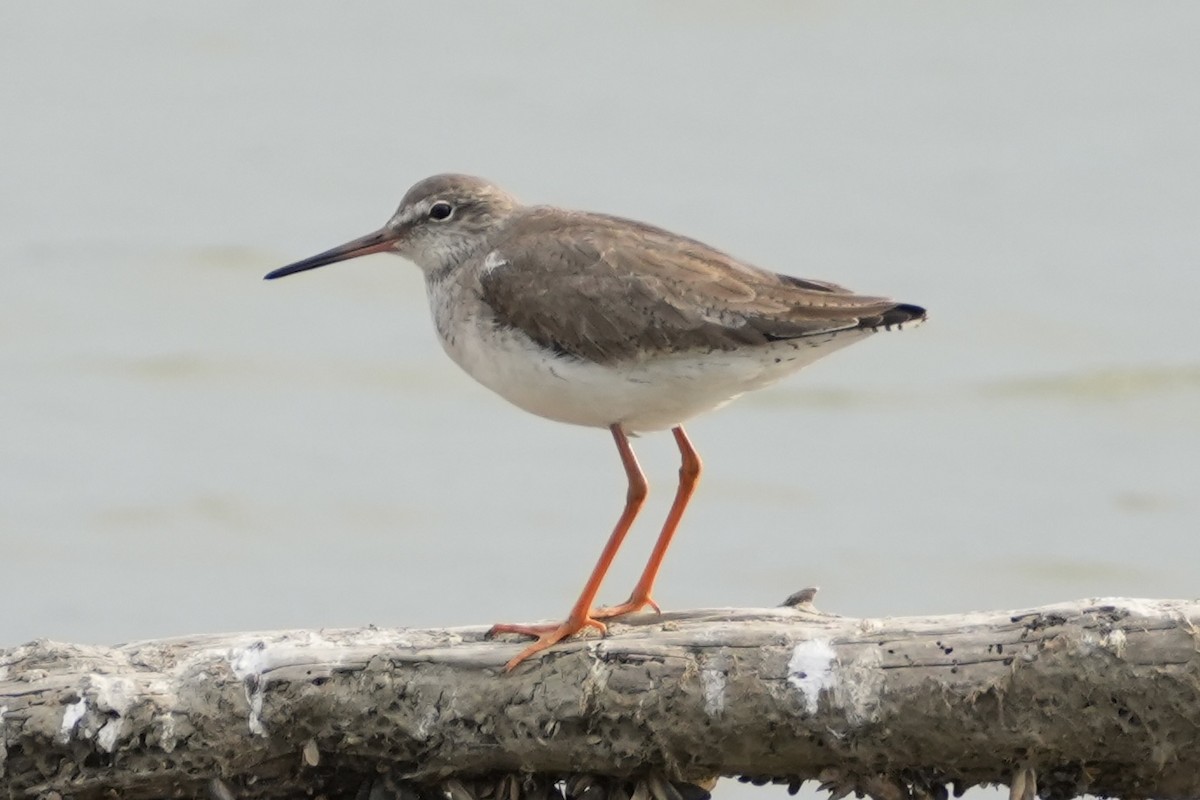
(185, 448)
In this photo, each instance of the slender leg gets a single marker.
(689, 475)
(581, 613)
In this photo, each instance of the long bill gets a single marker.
(376, 242)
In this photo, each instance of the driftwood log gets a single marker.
(1098, 696)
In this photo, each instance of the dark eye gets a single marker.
(440, 210)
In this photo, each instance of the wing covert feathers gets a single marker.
(605, 289)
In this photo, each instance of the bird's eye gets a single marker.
(440, 211)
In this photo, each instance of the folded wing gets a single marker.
(606, 289)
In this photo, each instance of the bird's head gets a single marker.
(440, 221)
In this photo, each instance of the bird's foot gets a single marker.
(628, 607)
(546, 635)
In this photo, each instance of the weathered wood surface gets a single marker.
(1099, 696)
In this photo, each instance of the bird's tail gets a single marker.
(898, 315)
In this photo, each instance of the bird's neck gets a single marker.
(439, 262)
(443, 258)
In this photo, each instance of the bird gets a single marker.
(601, 321)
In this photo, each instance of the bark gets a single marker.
(1091, 696)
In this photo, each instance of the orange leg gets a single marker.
(689, 475)
(581, 613)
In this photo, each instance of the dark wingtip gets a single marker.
(904, 312)
(897, 315)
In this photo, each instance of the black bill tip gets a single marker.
(377, 242)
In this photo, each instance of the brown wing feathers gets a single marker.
(577, 292)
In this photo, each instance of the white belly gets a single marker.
(646, 395)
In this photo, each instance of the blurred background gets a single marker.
(185, 448)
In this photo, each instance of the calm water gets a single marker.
(186, 448)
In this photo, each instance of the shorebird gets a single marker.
(607, 322)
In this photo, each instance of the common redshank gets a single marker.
(610, 323)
